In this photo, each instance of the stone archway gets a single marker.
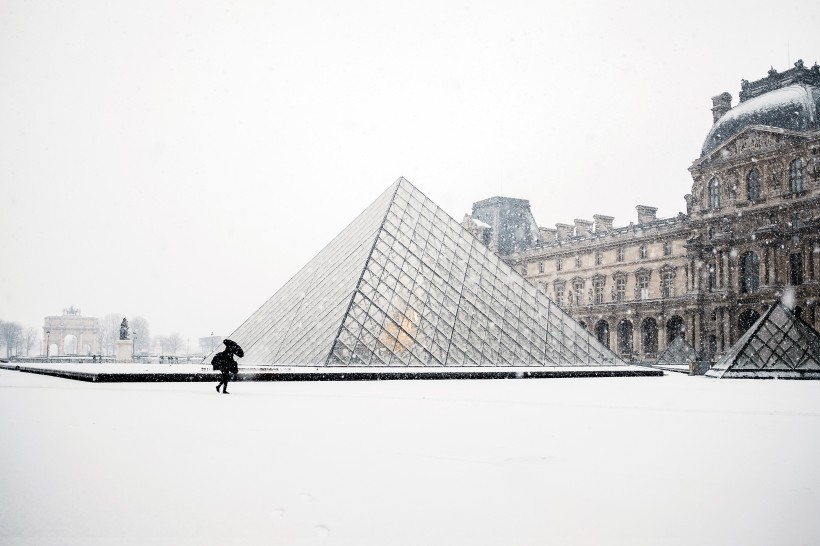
(71, 325)
(649, 336)
(625, 337)
(602, 332)
(674, 328)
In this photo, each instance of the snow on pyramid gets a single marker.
(405, 285)
(779, 344)
(678, 352)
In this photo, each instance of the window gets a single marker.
(667, 248)
(559, 294)
(599, 290)
(643, 286)
(620, 289)
(753, 185)
(579, 292)
(749, 273)
(712, 277)
(599, 257)
(668, 283)
(577, 261)
(602, 332)
(559, 264)
(714, 193)
(524, 270)
(540, 267)
(642, 251)
(796, 175)
(619, 254)
(625, 337)
(796, 269)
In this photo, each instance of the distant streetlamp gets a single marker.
(134, 346)
(48, 342)
(212, 342)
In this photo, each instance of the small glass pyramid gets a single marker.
(779, 344)
(679, 352)
(405, 285)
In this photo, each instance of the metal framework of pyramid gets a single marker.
(405, 285)
(679, 352)
(778, 345)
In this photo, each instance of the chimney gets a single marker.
(563, 231)
(583, 227)
(547, 235)
(646, 214)
(602, 223)
(720, 105)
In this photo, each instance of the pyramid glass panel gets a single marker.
(405, 285)
(678, 352)
(779, 344)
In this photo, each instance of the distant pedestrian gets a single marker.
(224, 363)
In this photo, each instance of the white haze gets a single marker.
(180, 161)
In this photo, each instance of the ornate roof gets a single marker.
(788, 100)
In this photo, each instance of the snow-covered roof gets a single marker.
(794, 108)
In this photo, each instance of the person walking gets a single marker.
(223, 362)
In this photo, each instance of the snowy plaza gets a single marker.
(639, 461)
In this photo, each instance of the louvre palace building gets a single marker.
(751, 234)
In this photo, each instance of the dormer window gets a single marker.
(753, 185)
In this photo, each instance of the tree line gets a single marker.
(28, 341)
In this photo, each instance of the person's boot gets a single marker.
(217, 387)
(225, 390)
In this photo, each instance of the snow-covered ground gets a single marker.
(639, 461)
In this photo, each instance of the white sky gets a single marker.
(141, 143)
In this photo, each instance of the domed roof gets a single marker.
(788, 101)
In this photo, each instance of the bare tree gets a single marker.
(141, 334)
(11, 333)
(109, 332)
(175, 343)
(29, 339)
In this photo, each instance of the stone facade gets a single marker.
(751, 234)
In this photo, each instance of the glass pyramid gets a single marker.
(405, 285)
(678, 352)
(779, 344)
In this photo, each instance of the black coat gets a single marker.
(224, 362)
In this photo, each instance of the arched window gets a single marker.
(753, 185)
(625, 337)
(674, 328)
(602, 332)
(796, 175)
(649, 331)
(746, 320)
(714, 193)
(749, 273)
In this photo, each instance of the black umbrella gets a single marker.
(234, 347)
